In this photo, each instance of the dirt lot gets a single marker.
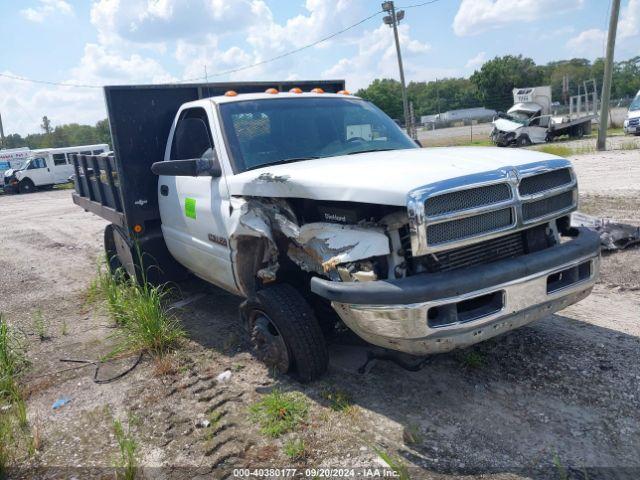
(550, 398)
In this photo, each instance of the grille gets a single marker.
(469, 227)
(545, 181)
(546, 206)
(466, 199)
(481, 253)
(634, 122)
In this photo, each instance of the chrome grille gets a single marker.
(545, 181)
(547, 206)
(634, 122)
(462, 228)
(467, 199)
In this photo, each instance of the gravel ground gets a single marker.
(560, 394)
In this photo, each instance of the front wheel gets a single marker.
(523, 141)
(285, 333)
(26, 186)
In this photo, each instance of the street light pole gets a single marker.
(608, 71)
(393, 19)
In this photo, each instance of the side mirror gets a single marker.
(208, 164)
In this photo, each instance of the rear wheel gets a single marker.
(26, 186)
(577, 132)
(285, 333)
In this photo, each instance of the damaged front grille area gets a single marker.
(545, 181)
(469, 226)
(547, 206)
(466, 199)
(489, 251)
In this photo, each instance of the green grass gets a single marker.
(140, 309)
(128, 448)
(279, 412)
(64, 186)
(562, 472)
(294, 448)
(395, 463)
(339, 400)
(40, 325)
(559, 150)
(13, 420)
(473, 359)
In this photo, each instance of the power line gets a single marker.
(229, 71)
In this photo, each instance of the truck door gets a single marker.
(194, 210)
(39, 172)
(61, 169)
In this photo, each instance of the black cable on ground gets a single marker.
(99, 363)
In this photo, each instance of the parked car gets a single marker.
(310, 204)
(632, 123)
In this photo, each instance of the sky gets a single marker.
(88, 44)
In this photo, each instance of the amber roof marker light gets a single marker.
(271, 91)
(230, 93)
(317, 90)
(295, 90)
(344, 92)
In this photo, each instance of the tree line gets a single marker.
(61, 136)
(491, 85)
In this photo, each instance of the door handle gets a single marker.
(164, 190)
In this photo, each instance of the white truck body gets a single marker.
(530, 120)
(415, 250)
(12, 159)
(50, 166)
(632, 123)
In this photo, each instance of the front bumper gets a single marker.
(434, 313)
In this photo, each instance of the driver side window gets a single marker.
(192, 137)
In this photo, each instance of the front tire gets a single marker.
(523, 141)
(285, 333)
(26, 186)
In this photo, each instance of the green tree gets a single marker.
(497, 78)
(386, 94)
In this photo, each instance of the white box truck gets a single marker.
(279, 194)
(12, 159)
(632, 123)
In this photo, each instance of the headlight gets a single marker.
(626, 123)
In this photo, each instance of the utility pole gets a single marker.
(1, 133)
(608, 72)
(393, 19)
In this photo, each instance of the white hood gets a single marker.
(505, 125)
(633, 114)
(382, 178)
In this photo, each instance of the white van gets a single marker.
(632, 123)
(12, 159)
(50, 166)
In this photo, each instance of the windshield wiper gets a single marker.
(371, 150)
(280, 162)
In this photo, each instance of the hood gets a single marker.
(383, 178)
(505, 125)
(527, 107)
(633, 114)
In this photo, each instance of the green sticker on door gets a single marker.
(190, 207)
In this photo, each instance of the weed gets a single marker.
(163, 366)
(64, 330)
(411, 435)
(629, 146)
(40, 325)
(395, 463)
(339, 400)
(473, 359)
(562, 472)
(140, 309)
(294, 448)
(214, 418)
(128, 447)
(279, 412)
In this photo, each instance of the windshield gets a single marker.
(635, 105)
(264, 132)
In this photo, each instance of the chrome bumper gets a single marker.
(442, 324)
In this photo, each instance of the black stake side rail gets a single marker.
(97, 187)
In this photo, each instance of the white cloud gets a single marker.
(477, 61)
(46, 8)
(376, 57)
(591, 40)
(477, 16)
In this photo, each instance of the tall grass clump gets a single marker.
(141, 310)
(13, 415)
(128, 448)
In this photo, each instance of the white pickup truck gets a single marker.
(280, 198)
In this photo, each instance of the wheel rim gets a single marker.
(268, 343)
